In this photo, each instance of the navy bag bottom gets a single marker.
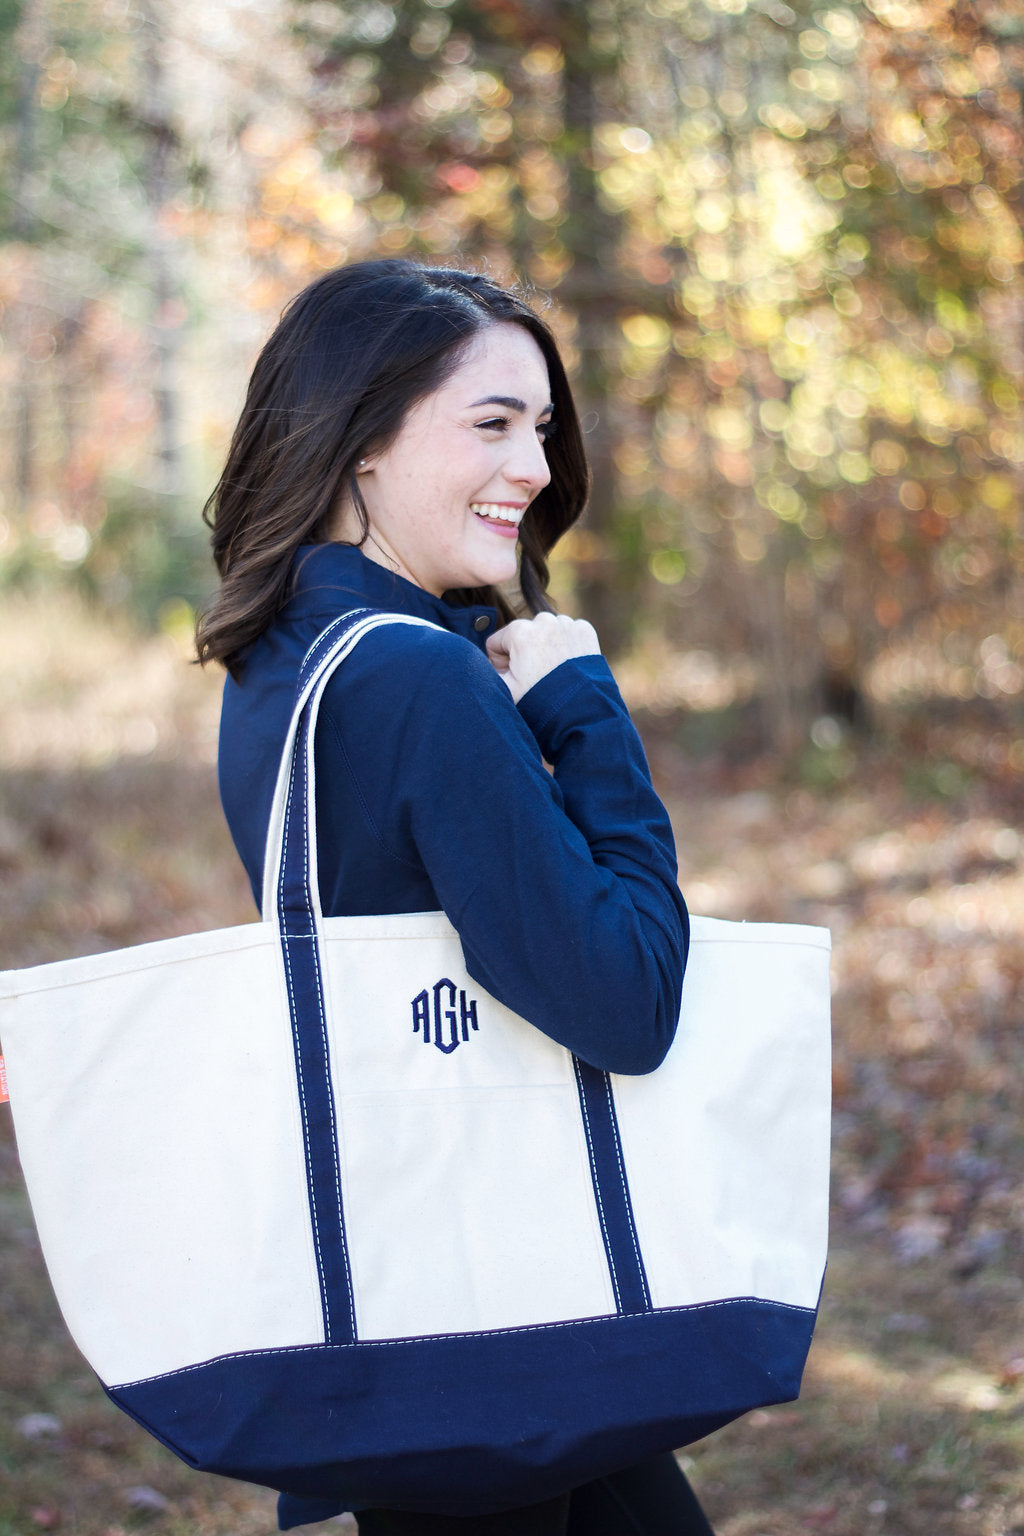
(473, 1424)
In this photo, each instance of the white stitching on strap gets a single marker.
(301, 1083)
(625, 1187)
(597, 1183)
(315, 960)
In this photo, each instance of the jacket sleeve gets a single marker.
(562, 885)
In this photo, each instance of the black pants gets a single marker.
(653, 1499)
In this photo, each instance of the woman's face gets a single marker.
(446, 498)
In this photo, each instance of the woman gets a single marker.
(409, 443)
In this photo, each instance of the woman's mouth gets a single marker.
(502, 517)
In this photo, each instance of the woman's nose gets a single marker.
(529, 466)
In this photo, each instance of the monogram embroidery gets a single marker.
(449, 1025)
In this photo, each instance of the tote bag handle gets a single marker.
(291, 894)
(291, 903)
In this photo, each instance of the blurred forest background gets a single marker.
(782, 246)
(785, 257)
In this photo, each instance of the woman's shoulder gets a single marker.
(414, 668)
(419, 644)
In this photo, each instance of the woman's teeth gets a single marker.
(499, 513)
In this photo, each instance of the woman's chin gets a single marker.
(497, 567)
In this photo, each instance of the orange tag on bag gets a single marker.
(4, 1095)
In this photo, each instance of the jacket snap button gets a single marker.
(481, 622)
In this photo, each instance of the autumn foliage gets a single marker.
(783, 243)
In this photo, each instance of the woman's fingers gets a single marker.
(528, 649)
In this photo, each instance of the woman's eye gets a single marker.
(502, 424)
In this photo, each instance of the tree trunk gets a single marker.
(30, 44)
(591, 291)
(167, 310)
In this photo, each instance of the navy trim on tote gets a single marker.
(300, 950)
(611, 1190)
(327, 642)
(561, 1404)
(303, 975)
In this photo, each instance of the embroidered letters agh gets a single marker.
(449, 1026)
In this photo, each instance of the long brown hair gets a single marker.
(351, 354)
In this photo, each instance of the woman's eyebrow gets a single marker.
(510, 402)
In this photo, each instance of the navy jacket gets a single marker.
(432, 793)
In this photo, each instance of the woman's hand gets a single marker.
(528, 649)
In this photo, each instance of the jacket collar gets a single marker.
(330, 579)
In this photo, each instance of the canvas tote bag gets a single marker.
(322, 1214)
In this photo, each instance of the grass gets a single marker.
(911, 1422)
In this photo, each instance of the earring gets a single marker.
(361, 464)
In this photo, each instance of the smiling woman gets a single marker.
(410, 445)
(356, 382)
